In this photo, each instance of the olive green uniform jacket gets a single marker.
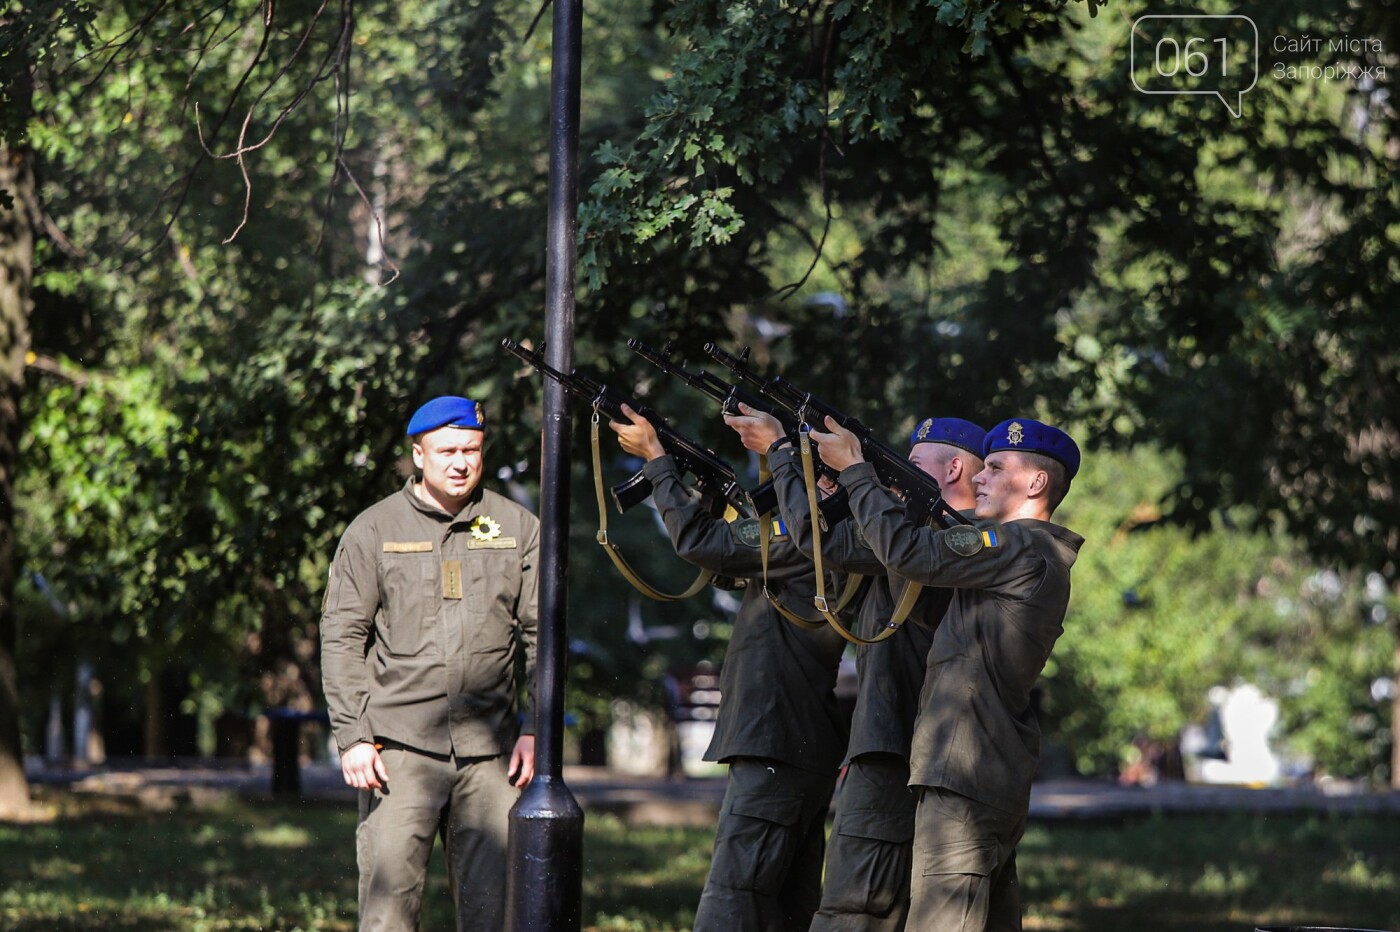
(889, 674)
(870, 852)
(976, 733)
(424, 615)
(778, 681)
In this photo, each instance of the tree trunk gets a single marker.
(16, 274)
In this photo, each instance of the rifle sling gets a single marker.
(906, 600)
(614, 554)
(764, 530)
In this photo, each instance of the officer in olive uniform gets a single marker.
(432, 594)
(779, 726)
(871, 848)
(976, 740)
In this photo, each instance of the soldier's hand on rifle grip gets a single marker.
(758, 430)
(638, 438)
(839, 448)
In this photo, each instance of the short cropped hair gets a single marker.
(1057, 474)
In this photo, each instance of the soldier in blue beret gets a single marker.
(869, 856)
(432, 593)
(779, 727)
(976, 740)
(1049, 448)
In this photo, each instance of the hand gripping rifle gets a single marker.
(923, 498)
(716, 482)
(764, 498)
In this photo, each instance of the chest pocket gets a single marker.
(492, 578)
(410, 597)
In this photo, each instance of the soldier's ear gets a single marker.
(1039, 484)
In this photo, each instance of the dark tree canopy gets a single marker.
(1155, 268)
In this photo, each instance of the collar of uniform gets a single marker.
(1063, 535)
(1066, 538)
(429, 508)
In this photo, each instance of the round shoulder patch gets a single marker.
(964, 541)
(745, 531)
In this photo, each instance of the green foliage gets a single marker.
(228, 385)
(959, 206)
(1145, 252)
(30, 33)
(1161, 615)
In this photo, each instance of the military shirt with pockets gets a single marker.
(976, 733)
(778, 680)
(890, 674)
(424, 617)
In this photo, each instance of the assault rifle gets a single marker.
(714, 479)
(729, 396)
(922, 497)
(764, 498)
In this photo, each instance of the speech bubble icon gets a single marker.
(1195, 54)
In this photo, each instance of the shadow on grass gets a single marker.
(642, 877)
(236, 867)
(270, 866)
(1213, 873)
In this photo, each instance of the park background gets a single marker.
(242, 241)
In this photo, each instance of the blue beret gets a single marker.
(447, 411)
(953, 430)
(1025, 435)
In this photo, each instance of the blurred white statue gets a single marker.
(1247, 717)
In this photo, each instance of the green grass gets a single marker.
(1213, 873)
(264, 866)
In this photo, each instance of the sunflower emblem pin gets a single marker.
(485, 527)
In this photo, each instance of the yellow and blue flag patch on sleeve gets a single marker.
(966, 541)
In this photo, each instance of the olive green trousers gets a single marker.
(765, 875)
(467, 804)
(869, 855)
(965, 865)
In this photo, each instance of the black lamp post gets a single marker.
(545, 849)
